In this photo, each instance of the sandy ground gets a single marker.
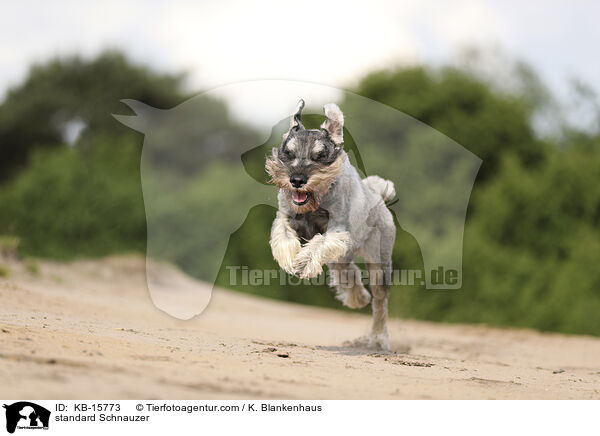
(88, 330)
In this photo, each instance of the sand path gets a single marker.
(88, 330)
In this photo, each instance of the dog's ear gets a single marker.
(334, 122)
(296, 121)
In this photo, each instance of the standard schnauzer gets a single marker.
(327, 214)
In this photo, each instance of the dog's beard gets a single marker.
(308, 198)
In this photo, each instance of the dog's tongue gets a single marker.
(299, 197)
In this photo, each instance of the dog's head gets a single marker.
(308, 161)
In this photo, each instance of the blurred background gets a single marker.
(515, 83)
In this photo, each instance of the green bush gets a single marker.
(529, 251)
(77, 202)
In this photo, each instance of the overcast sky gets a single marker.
(330, 43)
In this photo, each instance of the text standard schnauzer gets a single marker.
(327, 214)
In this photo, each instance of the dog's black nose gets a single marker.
(297, 180)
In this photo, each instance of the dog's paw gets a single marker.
(306, 265)
(379, 341)
(355, 298)
(284, 252)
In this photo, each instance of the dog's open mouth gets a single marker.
(299, 198)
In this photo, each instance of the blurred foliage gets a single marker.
(9, 247)
(529, 251)
(206, 133)
(486, 121)
(532, 239)
(4, 271)
(77, 202)
(67, 95)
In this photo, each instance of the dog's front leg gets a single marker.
(285, 243)
(321, 249)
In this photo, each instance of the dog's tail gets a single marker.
(381, 187)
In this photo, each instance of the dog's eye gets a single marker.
(287, 153)
(321, 155)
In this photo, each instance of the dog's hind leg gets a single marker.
(380, 279)
(347, 280)
(379, 282)
(377, 251)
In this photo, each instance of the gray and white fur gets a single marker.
(328, 214)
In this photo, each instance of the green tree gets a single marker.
(487, 121)
(68, 94)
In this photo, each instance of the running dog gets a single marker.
(327, 214)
